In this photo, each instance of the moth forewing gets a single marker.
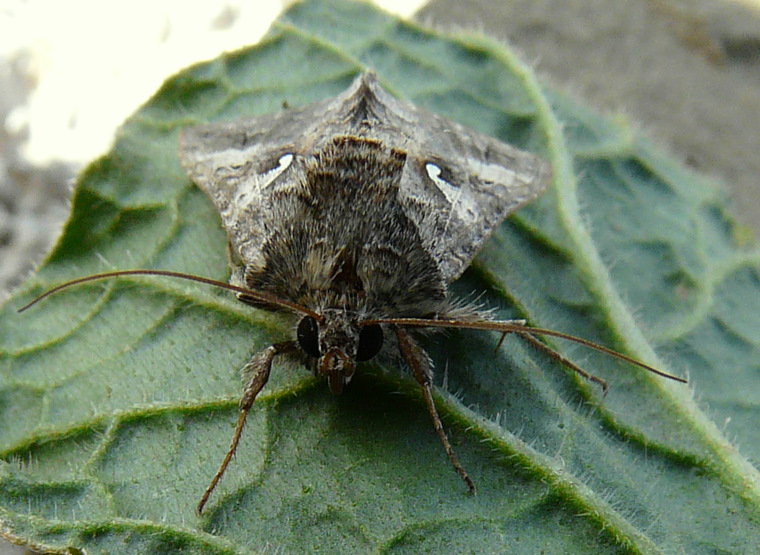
(355, 213)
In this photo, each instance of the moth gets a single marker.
(351, 216)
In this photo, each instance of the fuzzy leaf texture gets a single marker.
(118, 399)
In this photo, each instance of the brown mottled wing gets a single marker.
(243, 164)
(457, 184)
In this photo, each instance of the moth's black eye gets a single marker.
(370, 342)
(308, 336)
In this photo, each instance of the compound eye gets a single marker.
(308, 336)
(370, 342)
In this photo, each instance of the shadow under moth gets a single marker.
(351, 216)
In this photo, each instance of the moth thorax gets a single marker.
(338, 342)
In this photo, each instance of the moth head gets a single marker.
(338, 342)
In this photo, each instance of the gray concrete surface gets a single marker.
(686, 71)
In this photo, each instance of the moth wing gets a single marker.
(458, 184)
(243, 164)
(456, 187)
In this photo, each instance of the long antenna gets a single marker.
(506, 327)
(257, 295)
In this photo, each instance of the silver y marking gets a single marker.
(353, 215)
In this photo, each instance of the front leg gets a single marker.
(422, 370)
(258, 369)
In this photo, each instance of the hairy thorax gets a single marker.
(374, 262)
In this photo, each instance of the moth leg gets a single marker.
(520, 322)
(419, 362)
(565, 362)
(258, 368)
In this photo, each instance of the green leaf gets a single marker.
(118, 399)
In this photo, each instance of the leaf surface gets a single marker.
(118, 399)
